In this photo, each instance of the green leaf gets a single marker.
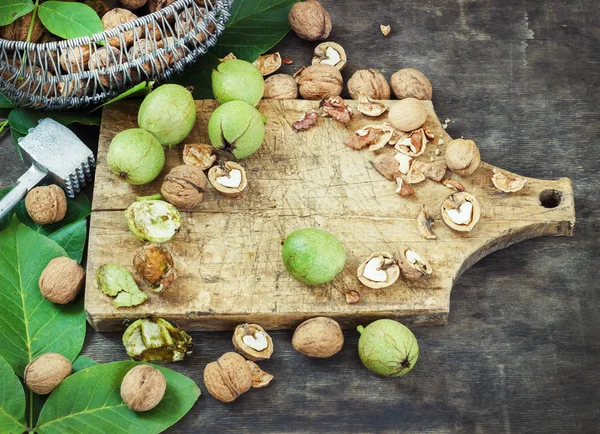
(82, 363)
(72, 238)
(89, 401)
(69, 20)
(137, 91)
(10, 10)
(12, 401)
(29, 324)
(254, 28)
(5, 103)
(22, 119)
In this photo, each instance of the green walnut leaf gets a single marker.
(72, 238)
(10, 10)
(5, 103)
(12, 401)
(90, 401)
(69, 20)
(22, 119)
(82, 363)
(254, 28)
(29, 324)
(137, 91)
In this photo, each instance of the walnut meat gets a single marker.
(61, 280)
(143, 387)
(411, 83)
(310, 21)
(184, 186)
(228, 377)
(280, 86)
(46, 205)
(319, 81)
(115, 18)
(319, 337)
(19, 29)
(44, 373)
(370, 82)
(199, 154)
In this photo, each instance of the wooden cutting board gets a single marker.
(228, 252)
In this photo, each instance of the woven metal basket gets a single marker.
(90, 70)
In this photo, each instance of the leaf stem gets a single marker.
(3, 126)
(31, 410)
(33, 17)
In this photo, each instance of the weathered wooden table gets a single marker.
(521, 350)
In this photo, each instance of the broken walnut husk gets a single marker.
(380, 270)
(156, 221)
(155, 339)
(154, 263)
(115, 281)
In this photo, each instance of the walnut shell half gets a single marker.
(252, 342)
(461, 211)
(412, 265)
(380, 270)
(228, 178)
(320, 337)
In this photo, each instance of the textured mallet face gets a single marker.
(55, 148)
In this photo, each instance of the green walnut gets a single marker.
(237, 80)
(156, 221)
(236, 127)
(136, 156)
(169, 113)
(115, 281)
(387, 348)
(155, 339)
(313, 256)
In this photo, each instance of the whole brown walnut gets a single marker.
(61, 280)
(44, 373)
(186, 24)
(75, 59)
(318, 337)
(370, 82)
(133, 4)
(147, 46)
(184, 186)
(319, 81)
(280, 86)
(310, 21)
(19, 29)
(46, 205)
(143, 387)
(115, 18)
(100, 6)
(104, 58)
(411, 83)
(155, 264)
(228, 377)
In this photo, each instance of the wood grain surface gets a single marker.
(228, 253)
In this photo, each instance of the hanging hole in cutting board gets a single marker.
(550, 198)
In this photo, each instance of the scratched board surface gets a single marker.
(228, 252)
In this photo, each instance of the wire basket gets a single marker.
(90, 70)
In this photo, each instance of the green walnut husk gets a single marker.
(236, 127)
(387, 348)
(168, 113)
(155, 339)
(156, 221)
(313, 256)
(115, 281)
(135, 156)
(236, 79)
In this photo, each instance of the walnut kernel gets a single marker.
(155, 264)
(200, 155)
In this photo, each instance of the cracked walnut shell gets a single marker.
(319, 337)
(309, 20)
(370, 82)
(252, 342)
(228, 377)
(330, 53)
(412, 265)
(461, 211)
(47, 371)
(184, 186)
(200, 155)
(411, 83)
(228, 178)
(46, 205)
(319, 81)
(280, 86)
(462, 156)
(61, 280)
(380, 270)
(260, 378)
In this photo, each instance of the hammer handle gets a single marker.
(26, 182)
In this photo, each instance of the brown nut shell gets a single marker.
(462, 156)
(46, 205)
(260, 378)
(370, 82)
(200, 155)
(184, 186)
(280, 86)
(133, 4)
(268, 64)
(411, 83)
(105, 58)
(413, 270)
(19, 29)
(44, 373)
(317, 82)
(115, 18)
(143, 387)
(246, 336)
(407, 115)
(154, 263)
(75, 59)
(219, 171)
(61, 280)
(310, 21)
(320, 337)
(330, 53)
(388, 264)
(454, 202)
(228, 377)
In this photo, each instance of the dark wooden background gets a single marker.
(521, 351)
